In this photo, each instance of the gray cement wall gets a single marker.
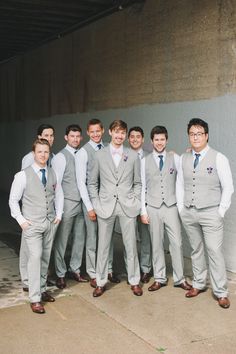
(220, 113)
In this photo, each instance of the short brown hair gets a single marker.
(40, 142)
(94, 121)
(118, 124)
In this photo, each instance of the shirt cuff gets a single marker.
(222, 211)
(20, 219)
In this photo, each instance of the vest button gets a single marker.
(116, 184)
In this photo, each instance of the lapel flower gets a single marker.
(125, 157)
(209, 170)
(172, 170)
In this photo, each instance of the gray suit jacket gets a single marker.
(107, 184)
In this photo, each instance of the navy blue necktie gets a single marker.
(99, 146)
(196, 161)
(44, 180)
(161, 163)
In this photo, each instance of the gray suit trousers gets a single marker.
(74, 226)
(105, 230)
(206, 226)
(91, 246)
(166, 219)
(38, 239)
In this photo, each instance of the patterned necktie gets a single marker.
(196, 161)
(44, 180)
(99, 146)
(161, 163)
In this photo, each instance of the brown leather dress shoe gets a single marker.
(224, 302)
(156, 286)
(37, 307)
(185, 285)
(78, 277)
(25, 289)
(137, 290)
(113, 278)
(61, 283)
(145, 278)
(194, 292)
(98, 291)
(93, 283)
(46, 297)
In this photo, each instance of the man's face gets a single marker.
(135, 140)
(73, 139)
(48, 135)
(118, 136)
(159, 142)
(95, 132)
(41, 154)
(197, 138)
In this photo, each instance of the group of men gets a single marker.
(80, 193)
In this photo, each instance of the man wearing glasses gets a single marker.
(204, 189)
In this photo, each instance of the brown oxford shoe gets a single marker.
(145, 278)
(224, 302)
(78, 277)
(98, 291)
(25, 289)
(194, 292)
(113, 278)
(37, 307)
(46, 297)
(156, 286)
(61, 283)
(185, 286)
(93, 283)
(137, 290)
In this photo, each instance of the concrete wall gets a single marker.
(219, 112)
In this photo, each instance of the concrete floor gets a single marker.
(118, 322)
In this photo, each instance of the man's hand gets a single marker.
(92, 215)
(56, 221)
(25, 225)
(144, 219)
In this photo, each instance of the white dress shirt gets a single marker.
(116, 154)
(81, 165)
(17, 191)
(143, 175)
(225, 177)
(59, 162)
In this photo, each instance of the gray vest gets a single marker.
(69, 182)
(202, 187)
(90, 151)
(38, 201)
(160, 184)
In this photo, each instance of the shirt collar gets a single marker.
(71, 149)
(94, 145)
(37, 168)
(119, 150)
(156, 154)
(202, 152)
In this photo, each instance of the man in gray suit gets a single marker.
(42, 206)
(115, 189)
(84, 164)
(159, 209)
(204, 189)
(136, 140)
(73, 220)
(44, 131)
